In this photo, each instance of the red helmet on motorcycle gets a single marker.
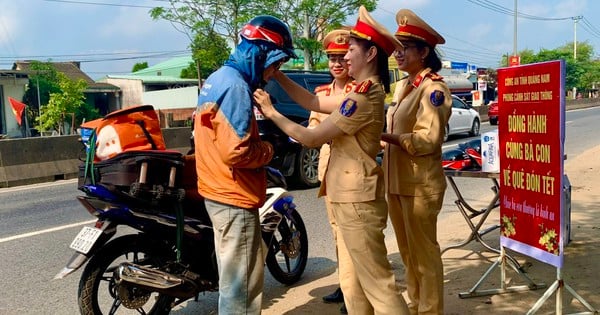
(473, 150)
(270, 29)
(474, 144)
(455, 159)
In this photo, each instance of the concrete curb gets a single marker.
(45, 159)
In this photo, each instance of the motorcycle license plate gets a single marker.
(86, 238)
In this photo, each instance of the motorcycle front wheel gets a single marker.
(288, 250)
(98, 292)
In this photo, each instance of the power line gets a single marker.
(448, 50)
(151, 53)
(590, 28)
(9, 61)
(128, 58)
(104, 4)
(500, 9)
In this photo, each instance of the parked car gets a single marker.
(298, 163)
(464, 119)
(493, 112)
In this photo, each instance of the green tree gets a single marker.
(63, 105)
(43, 81)
(591, 75)
(309, 20)
(209, 51)
(580, 73)
(224, 17)
(139, 66)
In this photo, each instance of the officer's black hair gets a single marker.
(383, 68)
(432, 60)
(382, 62)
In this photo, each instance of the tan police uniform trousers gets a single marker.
(366, 276)
(415, 184)
(415, 223)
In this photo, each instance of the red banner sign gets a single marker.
(531, 132)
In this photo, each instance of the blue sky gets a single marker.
(110, 36)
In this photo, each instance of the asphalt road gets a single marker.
(38, 222)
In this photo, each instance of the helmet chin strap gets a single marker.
(261, 84)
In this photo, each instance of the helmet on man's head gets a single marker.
(272, 30)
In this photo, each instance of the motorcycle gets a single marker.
(473, 149)
(171, 256)
(467, 157)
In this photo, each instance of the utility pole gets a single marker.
(37, 85)
(515, 32)
(514, 59)
(307, 53)
(575, 20)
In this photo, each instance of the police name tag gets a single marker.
(86, 238)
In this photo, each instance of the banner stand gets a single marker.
(473, 292)
(557, 286)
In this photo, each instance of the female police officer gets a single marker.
(335, 45)
(353, 180)
(415, 181)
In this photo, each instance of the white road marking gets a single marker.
(54, 229)
(33, 186)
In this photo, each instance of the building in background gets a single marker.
(160, 85)
(104, 97)
(12, 84)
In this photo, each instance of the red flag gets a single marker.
(17, 108)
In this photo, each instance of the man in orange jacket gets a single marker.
(230, 160)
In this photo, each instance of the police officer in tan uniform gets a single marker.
(335, 45)
(415, 181)
(353, 181)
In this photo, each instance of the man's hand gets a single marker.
(263, 100)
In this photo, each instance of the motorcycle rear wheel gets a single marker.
(98, 292)
(288, 250)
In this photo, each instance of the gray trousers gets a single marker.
(238, 244)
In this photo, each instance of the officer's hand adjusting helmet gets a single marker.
(272, 30)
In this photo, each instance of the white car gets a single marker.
(463, 119)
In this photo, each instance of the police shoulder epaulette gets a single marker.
(350, 87)
(321, 88)
(418, 80)
(435, 77)
(363, 87)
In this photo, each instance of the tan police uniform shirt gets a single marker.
(414, 168)
(316, 118)
(352, 174)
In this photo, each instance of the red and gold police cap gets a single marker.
(410, 26)
(367, 28)
(336, 42)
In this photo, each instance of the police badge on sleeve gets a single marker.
(348, 107)
(436, 98)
